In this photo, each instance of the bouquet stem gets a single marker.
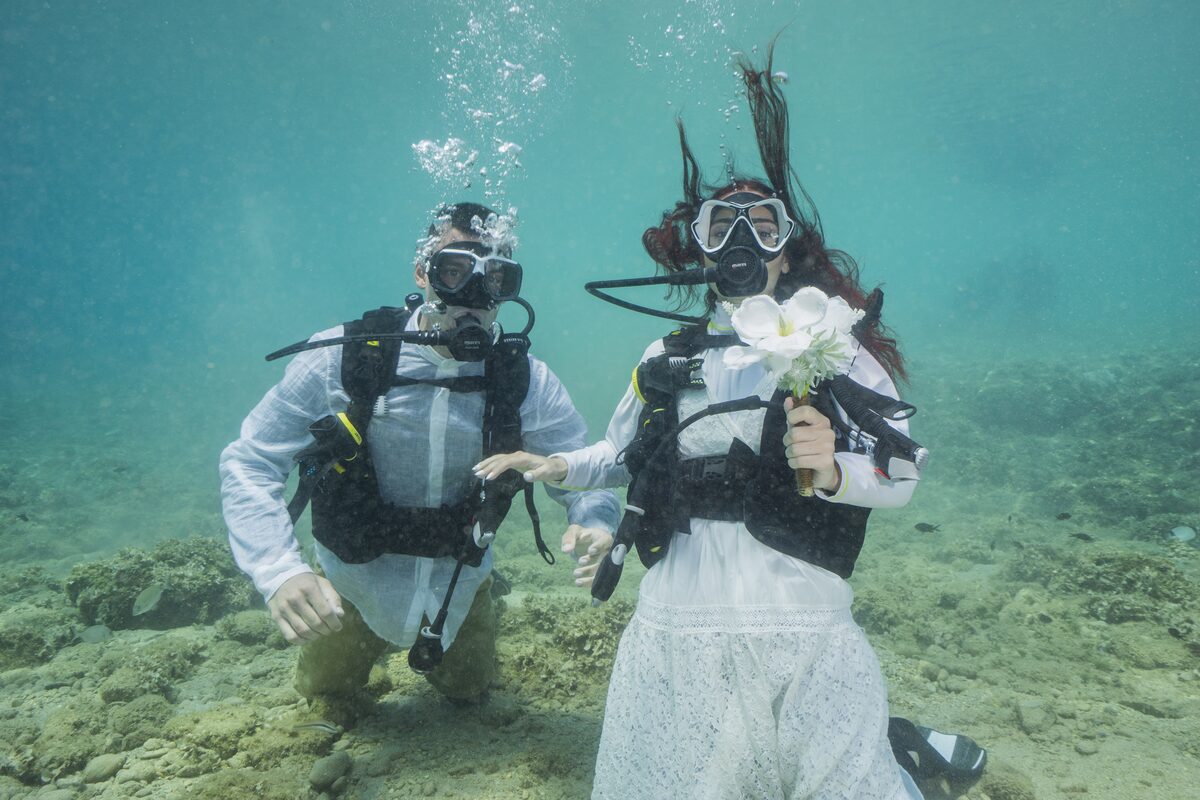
(804, 475)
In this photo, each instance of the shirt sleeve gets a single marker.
(255, 467)
(599, 464)
(550, 423)
(862, 485)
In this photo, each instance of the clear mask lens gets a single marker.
(766, 220)
(451, 270)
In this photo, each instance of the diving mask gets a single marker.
(471, 275)
(764, 218)
(739, 234)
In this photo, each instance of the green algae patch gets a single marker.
(35, 619)
(31, 584)
(140, 719)
(251, 628)
(284, 782)
(71, 737)
(271, 744)
(218, 729)
(128, 683)
(199, 584)
(152, 668)
(1115, 585)
(30, 635)
(557, 649)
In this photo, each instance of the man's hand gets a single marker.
(306, 607)
(588, 546)
(532, 467)
(809, 443)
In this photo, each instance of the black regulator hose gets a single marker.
(689, 277)
(466, 343)
(523, 303)
(431, 338)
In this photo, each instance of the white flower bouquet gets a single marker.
(800, 343)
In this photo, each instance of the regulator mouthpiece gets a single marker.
(468, 340)
(741, 271)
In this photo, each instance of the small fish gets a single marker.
(23, 517)
(320, 726)
(1083, 537)
(95, 634)
(147, 600)
(925, 527)
(1063, 515)
(1184, 533)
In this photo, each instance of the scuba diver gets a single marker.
(742, 672)
(384, 417)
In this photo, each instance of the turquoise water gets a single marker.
(188, 186)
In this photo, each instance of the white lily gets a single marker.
(799, 343)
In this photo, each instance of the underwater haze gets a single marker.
(189, 186)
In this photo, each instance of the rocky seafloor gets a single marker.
(1042, 608)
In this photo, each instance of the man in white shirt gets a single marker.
(391, 518)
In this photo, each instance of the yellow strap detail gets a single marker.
(637, 389)
(350, 427)
(373, 343)
(338, 468)
(655, 411)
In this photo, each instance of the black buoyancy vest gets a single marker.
(349, 515)
(758, 490)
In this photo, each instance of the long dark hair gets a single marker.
(810, 262)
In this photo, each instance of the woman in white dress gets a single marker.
(742, 673)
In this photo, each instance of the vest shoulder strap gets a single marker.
(368, 367)
(692, 339)
(507, 375)
(684, 341)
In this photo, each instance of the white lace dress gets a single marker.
(742, 673)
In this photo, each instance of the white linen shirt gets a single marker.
(423, 446)
(720, 563)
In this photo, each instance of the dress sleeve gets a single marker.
(598, 464)
(255, 467)
(549, 423)
(861, 484)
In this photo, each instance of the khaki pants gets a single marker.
(340, 663)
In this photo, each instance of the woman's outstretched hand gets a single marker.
(532, 467)
(808, 444)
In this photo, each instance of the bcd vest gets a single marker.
(740, 486)
(349, 515)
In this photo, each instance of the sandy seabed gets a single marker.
(1048, 615)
